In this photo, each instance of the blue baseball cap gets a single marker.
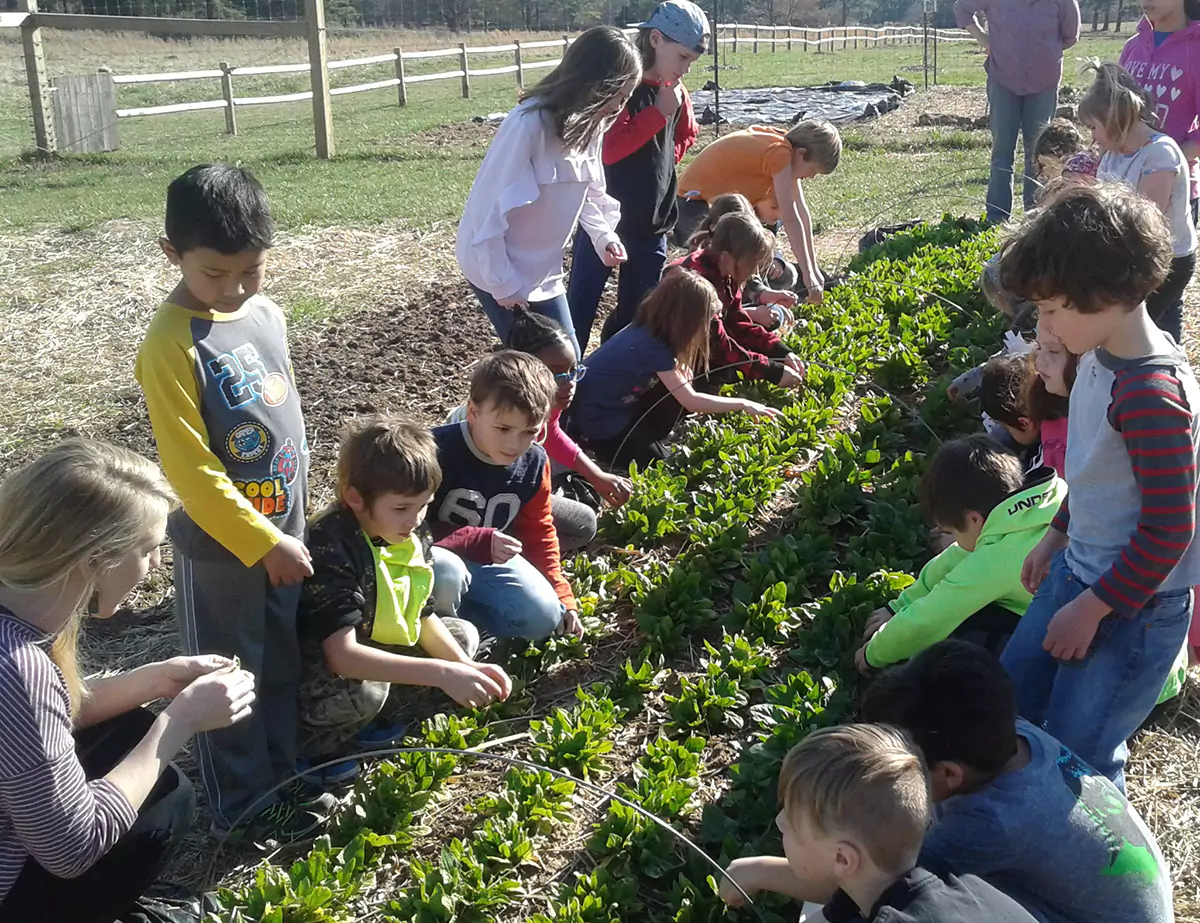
(681, 21)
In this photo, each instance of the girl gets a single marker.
(1121, 118)
(90, 807)
(542, 175)
(737, 250)
(640, 154)
(640, 381)
(1047, 393)
(574, 521)
(1164, 57)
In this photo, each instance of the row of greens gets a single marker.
(735, 592)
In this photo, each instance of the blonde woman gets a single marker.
(90, 806)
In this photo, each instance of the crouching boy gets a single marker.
(378, 591)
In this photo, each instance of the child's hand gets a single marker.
(876, 621)
(498, 676)
(670, 98)
(791, 376)
(469, 686)
(761, 313)
(860, 661)
(1037, 562)
(514, 301)
(745, 872)
(785, 299)
(1071, 631)
(570, 625)
(288, 562)
(504, 547)
(614, 255)
(816, 287)
(613, 488)
(792, 361)
(755, 409)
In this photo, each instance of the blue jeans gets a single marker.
(1012, 114)
(510, 600)
(502, 318)
(1093, 705)
(451, 581)
(589, 275)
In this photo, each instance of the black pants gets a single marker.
(655, 414)
(989, 628)
(1165, 306)
(109, 889)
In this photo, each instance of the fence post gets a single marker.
(227, 92)
(774, 39)
(318, 69)
(466, 74)
(520, 68)
(402, 86)
(44, 136)
(804, 40)
(789, 33)
(756, 38)
(736, 30)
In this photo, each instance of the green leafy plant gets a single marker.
(575, 739)
(453, 732)
(458, 888)
(538, 800)
(708, 701)
(385, 804)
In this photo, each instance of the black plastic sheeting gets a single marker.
(835, 102)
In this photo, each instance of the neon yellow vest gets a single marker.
(403, 582)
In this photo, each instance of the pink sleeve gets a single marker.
(558, 445)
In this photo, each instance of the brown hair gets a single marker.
(821, 142)
(386, 454)
(731, 203)
(743, 237)
(1002, 388)
(594, 68)
(1091, 245)
(1059, 140)
(971, 475)
(1115, 100)
(866, 781)
(511, 380)
(1040, 404)
(679, 311)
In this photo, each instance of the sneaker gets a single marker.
(328, 776)
(379, 734)
(283, 823)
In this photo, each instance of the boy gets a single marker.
(855, 808)
(496, 489)
(1114, 572)
(377, 583)
(995, 513)
(767, 166)
(226, 417)
(1016, 807)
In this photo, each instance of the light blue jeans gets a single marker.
(1093, 705)
(510, 600)
(1013, 114)
(555, 308)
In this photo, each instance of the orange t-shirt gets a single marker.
(743, 161)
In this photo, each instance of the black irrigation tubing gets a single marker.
(508, 760)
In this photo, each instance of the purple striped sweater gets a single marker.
(49, 811)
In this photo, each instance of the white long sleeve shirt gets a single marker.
(528, 196)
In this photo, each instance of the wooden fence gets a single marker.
(31, 22)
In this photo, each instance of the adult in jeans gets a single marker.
(90, 806)
(1024, 41)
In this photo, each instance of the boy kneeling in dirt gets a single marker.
(380, 588)
(1015, 806)
(496, 488)
(980, 494)
(856, 803)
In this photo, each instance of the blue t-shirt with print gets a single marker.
(618, 373)
(1058, 837)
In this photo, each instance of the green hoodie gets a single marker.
(957, 583)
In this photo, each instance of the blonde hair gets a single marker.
(1115, 100)
(679, 312)
(82, 504)
(821, 142)
(731, 203)
(864, 781)
(743, 237)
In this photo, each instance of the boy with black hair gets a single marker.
(1114, 573)
(979, 493)
(1015, 806)
(380, 589)
(496, 489)
(856, 805)
(225, 411)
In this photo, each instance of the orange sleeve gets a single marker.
(777, 156)
(534, 529)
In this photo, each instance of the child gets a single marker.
(1047, 397)
(574, 521)
(640, 153)
(640, 381)
(1016, 807)
(541, 176)
(978, 493)
(1002, 392)
(738, 249)
(496, 489)
(1113, 574)
(225, 411)
(1058, 141)
(1164, 52)
(1121, 118)
(856, 803)
(379, 588)
(767, 166)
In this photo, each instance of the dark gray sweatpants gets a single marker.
(227, 608)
